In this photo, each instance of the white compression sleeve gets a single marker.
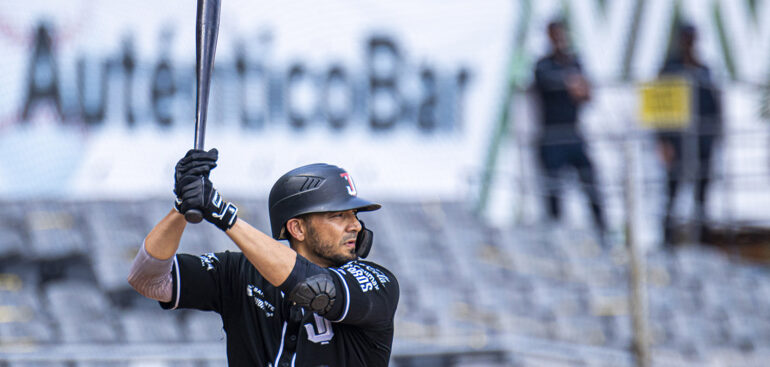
(151, 277)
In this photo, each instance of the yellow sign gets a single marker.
(665, 103)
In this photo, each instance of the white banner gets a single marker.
(98, 96)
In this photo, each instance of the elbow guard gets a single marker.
(316, 293)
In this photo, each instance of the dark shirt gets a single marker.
(709, 108)
(558, 110)
(263, 329)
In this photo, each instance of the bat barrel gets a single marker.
(206, 32)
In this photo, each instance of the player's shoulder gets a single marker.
(220, 256)
(365, 263)
(381, 273)
(374, 265)
(212, 260)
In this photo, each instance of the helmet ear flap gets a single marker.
(364, 241)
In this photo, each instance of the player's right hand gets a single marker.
(197, 192)
(194, 163)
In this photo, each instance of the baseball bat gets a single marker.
(206, 31)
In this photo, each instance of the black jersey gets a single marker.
(559, 112)
(263, 329)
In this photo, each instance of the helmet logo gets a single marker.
(351, 187)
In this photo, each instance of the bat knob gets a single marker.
(193, 216)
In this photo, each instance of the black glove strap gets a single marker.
(197, 192)
(222, 214)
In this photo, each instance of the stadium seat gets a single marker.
(55, 231)
(150, 326)
(618, 331)
(480, 284)
(23, 319)
(116, 233)
(11, 238)
(111, 364)
(81, 312)
(200, 326)
(27, 332)
(580, 330)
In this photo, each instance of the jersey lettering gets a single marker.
(362, 279)
(258, 296)
(381, 278)
(243, 297)
(322, 332)
(365, 278)
(208, 260)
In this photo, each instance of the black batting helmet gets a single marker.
(315, 188)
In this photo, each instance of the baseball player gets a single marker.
(311, 304)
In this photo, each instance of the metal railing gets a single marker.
(604, 132)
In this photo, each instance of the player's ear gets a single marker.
(297, 228)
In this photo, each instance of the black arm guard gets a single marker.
(316, 293)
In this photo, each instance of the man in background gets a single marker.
(562, 89)
(686, 153)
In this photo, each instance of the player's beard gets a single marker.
(329, 251)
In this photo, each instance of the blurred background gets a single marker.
(564, 183)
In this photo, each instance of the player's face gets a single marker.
(332, 236)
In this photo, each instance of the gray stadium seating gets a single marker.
(546, 297)
(11, 238)
(150, 325)
(82, 313)
(55, 231)
(202, 327)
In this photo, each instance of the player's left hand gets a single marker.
(195, 163)
(197, 192)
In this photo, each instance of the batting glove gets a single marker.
(194, 163)
(197, 192)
